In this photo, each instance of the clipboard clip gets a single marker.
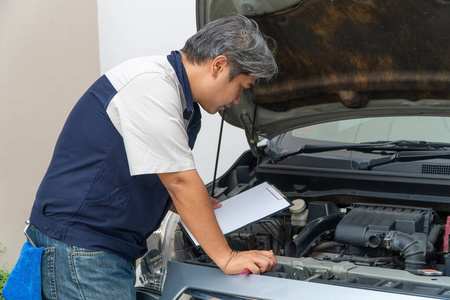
(275, 192)
(25, 231)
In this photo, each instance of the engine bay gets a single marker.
(369, 230)
(367, 245)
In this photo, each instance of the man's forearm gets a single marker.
(193, 204)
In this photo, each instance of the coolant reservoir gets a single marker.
(299, 213)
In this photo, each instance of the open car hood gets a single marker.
(343, 59)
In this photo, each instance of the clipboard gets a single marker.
(246, 208)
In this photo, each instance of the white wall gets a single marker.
(48, 58)
(150, 27)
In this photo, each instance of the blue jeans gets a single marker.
(70, 272)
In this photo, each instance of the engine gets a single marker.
(409, 230)
(349, 244)
(385, 247)
(375, 235)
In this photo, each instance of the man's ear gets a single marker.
(218, 64)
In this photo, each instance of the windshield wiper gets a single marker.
(403, 157)
(397, 146)
(371, 147)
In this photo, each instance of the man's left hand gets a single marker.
(215, 203)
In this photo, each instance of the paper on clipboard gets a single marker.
(245, 208)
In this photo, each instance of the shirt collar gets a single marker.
(174, 59)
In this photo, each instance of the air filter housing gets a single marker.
(367, 224)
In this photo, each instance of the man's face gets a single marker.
(223, 92)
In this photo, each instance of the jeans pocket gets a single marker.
(99, 274)
(78, 251)
(48, 274)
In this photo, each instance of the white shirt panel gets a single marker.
(123, 73)
(148, 113)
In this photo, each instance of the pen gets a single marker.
(246, 271)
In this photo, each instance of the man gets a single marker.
(124, 158)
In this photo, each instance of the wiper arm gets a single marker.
(400, 145)
(403, 157)
(370, 147)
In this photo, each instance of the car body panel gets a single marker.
(183, 276)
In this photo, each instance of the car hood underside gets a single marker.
(347, 59)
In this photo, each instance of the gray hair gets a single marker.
(240, 40)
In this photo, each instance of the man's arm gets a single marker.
(193, 204)
(214, 202)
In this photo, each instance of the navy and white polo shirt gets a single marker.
(101, 190)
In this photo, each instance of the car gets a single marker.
(355, 132)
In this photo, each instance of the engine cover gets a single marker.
(367, 224)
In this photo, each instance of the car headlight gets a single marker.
(151, 269)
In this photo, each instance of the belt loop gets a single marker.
(26, 233)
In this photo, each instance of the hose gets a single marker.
(312, 231)
(326, 245)
(412, 250)
(434, 234)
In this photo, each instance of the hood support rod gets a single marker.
(217, 155)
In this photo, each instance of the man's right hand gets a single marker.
(255, 261)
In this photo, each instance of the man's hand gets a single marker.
(255, 261)
(215, 203)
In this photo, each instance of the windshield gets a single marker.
(430, 129)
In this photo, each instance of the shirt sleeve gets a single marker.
(148, 113)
